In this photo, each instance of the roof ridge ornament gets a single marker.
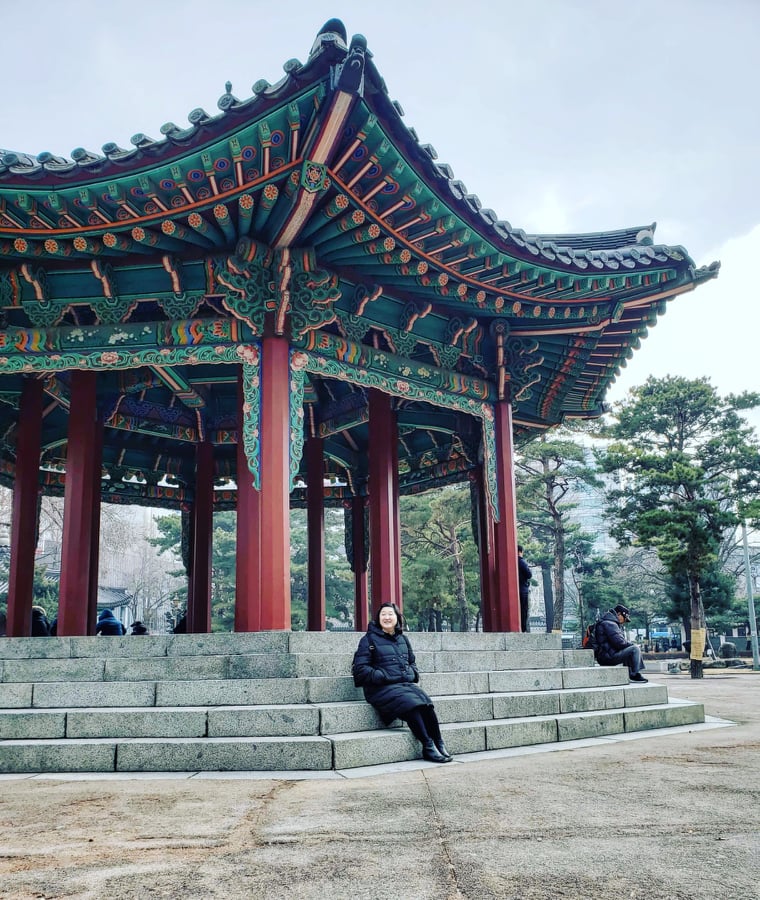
(113, 151)
(228, 100)
(349, 75)
(85, 157)
(332, 32)
(175, 133)
(141, 141)
(199, 116)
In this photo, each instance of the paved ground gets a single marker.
(674, 815)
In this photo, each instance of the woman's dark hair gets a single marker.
(399, 624)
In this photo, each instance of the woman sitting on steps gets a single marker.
(384, 665)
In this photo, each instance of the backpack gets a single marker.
(589, 641)
(357, 682)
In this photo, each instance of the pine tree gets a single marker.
(684, 461)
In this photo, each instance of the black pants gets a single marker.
(423, 723)
(524, 611)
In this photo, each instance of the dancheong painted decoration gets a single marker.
(308, 213)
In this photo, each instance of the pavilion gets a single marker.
(291, 301)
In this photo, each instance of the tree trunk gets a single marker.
(455, 548)
(546, 580)
(559, 576)
(698, 628)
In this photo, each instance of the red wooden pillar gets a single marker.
(275, 483)
(385, 551)
(78, 514)
(358, 541)
(397, 513)
(97, 477)
(24, 514)
(505, 530)
(199, 603)
(190, 525)
(315, 516)
(485, 554)
(248, 587)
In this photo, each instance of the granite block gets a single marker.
(263, 721)
(521, 705)
(520, 732)
(23, 725)
(224, 754)
(121, 723)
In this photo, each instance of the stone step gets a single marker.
(391, 745)
(144, 646)
(339, 718)
(309, 642)
(173, 668)
(167, 754)
(268, 664)
(221, 644)
(318, 689)
(301, 719)
(324, 752)
(286, 701)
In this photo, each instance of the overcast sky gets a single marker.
(562, 116)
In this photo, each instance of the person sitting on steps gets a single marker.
(40, 623)
(613, 648)
(108, 624)
(384, 665)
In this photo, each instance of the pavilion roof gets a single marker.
(323, 159)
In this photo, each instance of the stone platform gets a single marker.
(285, 701)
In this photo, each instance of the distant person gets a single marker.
(3, 623)
(181, 626)
(384, 665)
(40, 623)
(524, 576)
(108, 624)
(613, 648)
(138, 628)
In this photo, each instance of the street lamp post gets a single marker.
(750, 599)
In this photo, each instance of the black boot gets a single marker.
(431, 753)
(442, 750)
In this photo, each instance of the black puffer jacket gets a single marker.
(610, 637)
(108, 624)
(40, 624)
(384, 665)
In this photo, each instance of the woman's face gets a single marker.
(388, 619)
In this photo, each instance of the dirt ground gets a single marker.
(673, 817)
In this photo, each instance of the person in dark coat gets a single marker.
(40, 624)
(138, 628)
(613, 648)
(109, 624)
(384, 665)
(524, 576)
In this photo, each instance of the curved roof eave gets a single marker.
(330, 49)
(17, 168)
(469, 207)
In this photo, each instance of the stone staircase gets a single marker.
(285, 701)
